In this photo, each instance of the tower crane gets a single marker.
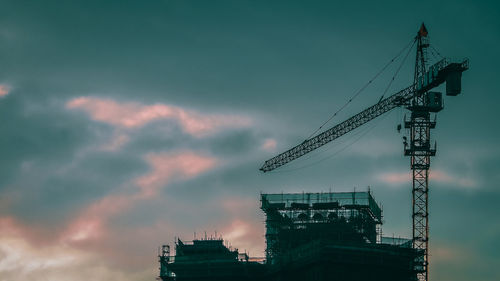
(421, 102)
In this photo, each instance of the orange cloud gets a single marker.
(135, 115)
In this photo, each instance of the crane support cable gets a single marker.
(397, 71)
(411, 43)
(437, 52)
(354, 140)
(339, 130)
(398, 99)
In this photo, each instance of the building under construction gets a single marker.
(336, 236)
(309, 236)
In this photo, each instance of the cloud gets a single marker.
(24, 259)
(116, 142)
(19, 257)
(246, 236)
(4, 90)
(237, 230)
(239, 205)
(245, 228)
(165, 167)
(394, 178)
(10, 226)
(135, 115)
(447, 253)
(269, 145)
(457, 181)
(90, 224)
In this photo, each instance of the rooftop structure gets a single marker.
(206, 259)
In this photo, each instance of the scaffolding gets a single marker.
(294, 219)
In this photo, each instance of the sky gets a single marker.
(126, 124)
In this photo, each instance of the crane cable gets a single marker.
(437, 52)
(412, 42)
(361, 134)
(397, 71)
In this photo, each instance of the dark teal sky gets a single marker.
(127, 123)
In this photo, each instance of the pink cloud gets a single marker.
(269, 145)
(117, 142)
(434, 175)
(167, 166)
(22, 258)
(237, 230)
(457, 180)
(95, 248)
(135, 115)
(11, 227)
(26, 250)
(395, 178)
(239, 206)
(246, 236)
(91, 224)
(4, 90)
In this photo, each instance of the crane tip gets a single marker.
(423, 31)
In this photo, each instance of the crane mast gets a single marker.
(421, 102)
(420, 153)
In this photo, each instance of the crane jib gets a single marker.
(435, 76)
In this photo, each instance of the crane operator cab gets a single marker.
(434, 101)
